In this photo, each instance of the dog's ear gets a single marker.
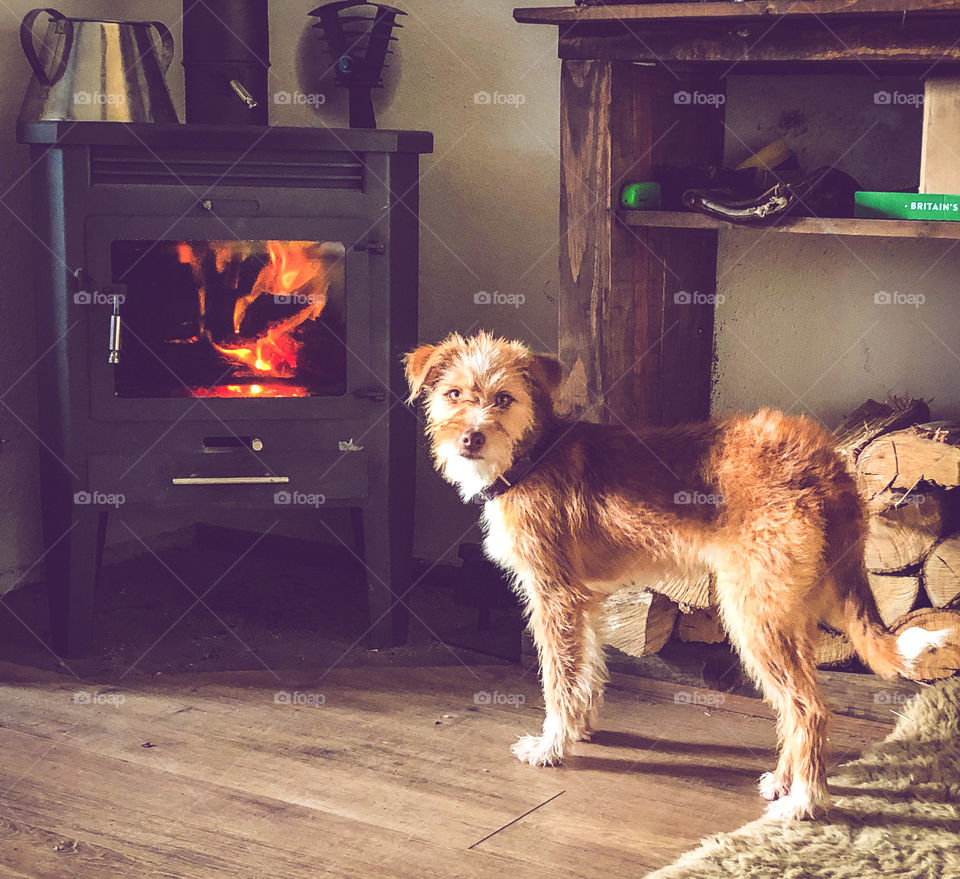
(418, 365)
(546, 371)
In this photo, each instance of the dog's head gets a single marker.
(487, 401)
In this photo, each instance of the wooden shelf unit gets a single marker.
(803, 225)
(634, 349)
(726, 10)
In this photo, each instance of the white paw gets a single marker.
(796, 806)
(771, 788)
(537, 751)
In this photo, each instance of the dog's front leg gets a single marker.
(571, 665)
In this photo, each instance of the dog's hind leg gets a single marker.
(572, 669)
(773, 632)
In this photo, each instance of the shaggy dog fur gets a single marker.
(762, 501)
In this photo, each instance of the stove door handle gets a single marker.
(230, 480)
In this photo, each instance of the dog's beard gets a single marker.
(470, 475)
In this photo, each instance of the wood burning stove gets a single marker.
(222, 313)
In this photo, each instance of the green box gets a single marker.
(643, 196)
(906, 206)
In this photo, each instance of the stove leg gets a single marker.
(387, 560)
(356, 528)
(72, 571)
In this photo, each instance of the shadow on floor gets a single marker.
(282, 604)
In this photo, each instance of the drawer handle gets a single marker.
(230, 480)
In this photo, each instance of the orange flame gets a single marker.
(294, 275)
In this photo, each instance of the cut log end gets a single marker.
(941, 572)
(701, 626)
(904, 458)
(902, 533)
(637, 621)
(832, 649)
(894, 594)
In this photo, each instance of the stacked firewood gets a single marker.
(908, 472)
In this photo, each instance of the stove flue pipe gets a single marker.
(226, 61)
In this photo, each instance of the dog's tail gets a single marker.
(887, 654)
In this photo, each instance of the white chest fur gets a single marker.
(497, 541)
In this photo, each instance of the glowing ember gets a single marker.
(295, 274)
(265, 390)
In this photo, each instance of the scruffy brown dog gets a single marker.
(574, 509)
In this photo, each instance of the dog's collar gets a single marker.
(520, 470)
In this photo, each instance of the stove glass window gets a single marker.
(231, 318)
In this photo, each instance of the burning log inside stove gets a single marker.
(294, 282)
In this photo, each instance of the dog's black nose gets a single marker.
(472, 440)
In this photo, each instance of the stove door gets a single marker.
(250, 315)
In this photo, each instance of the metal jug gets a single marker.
(97, 71)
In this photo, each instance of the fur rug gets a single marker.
(894, 812)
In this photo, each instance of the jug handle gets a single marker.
(26, 43)
(166, 45)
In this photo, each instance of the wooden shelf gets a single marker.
(805, 225)
(905, 36)
(751, 10)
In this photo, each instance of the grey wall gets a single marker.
(489, 197)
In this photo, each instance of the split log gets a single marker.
(941, 662)
(900, 537)
(832, 649)
(894, 595)
(941, 572)
(904, 458)
(637, 621)
(873, 419)
(693, 591)
(701, 626)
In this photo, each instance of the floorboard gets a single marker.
(364, 772)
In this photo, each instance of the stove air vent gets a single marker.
(134, 166)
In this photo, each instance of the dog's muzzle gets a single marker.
(471, 443)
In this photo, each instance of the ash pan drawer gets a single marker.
(286, 479)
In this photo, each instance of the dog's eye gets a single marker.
(503, 400)
(453, 394)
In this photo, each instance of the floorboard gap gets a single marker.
(515, 820)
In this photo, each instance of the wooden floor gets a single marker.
(400, 772)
